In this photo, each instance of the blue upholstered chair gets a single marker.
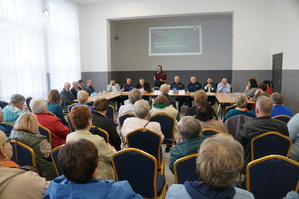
(185, 169)
(228, 108)
(272, 177)
(123, 117)
(148, 141)
(140, 169)
(270, 143)
(13, 144)
(8, 126)
(101, 132)
(69, 123)
(54, 156)
(45, 132)
(110, 112)
(3, 104)
(25, 155)
(284, 118)
(69, 108)
(167, 126)
(209, 132)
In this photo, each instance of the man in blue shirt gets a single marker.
(177, 85)
(192, 87)
(128, 86)
(223, 86)
(278, 107)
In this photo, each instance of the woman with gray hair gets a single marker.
(141, 109)
(190, 132)
(134, 96)
(12, 111)
(241, 102)
(83, 99)
(53, 123)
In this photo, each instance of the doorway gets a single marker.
(277, 71)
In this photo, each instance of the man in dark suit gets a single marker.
(81, 85)
(89, 88)
(210, 87)
(66, 96)
(144, 87)
(75, 89)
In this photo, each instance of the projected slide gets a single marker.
(177, 40)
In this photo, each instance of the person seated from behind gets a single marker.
(293, 127)
(128, 86)
(3, 126)
(199, 96)
(269, 86)
(143, 86)
(278, 107)
(261, 91)
(134, 96)
(204, 115)
(99, 119)
(219, 162)
(18, 182)
(53, 105)
(83, 99)
(89, 88)
(177, 85)
(190, 133)
(223, 86)
(164, 88)
(75, 89)
(66, 96)
(53, 123)
(241, 102)
(14, 109)
(251, 87)
(78, 161)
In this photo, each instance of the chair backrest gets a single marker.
(145, 140)
(25, 155)
(69, 108)
(28, 99)
(139, 168)
(229, 108)
(13, 144)
(45, 132)
(185, 169)
(234, 123)
(7, 125)
(167, 126)
(272, 177)
(110, 112)
(284, 118)
(54, 156)
(123, 117)
(3, 104)
(69, 123)
(101, 132)
(270, 143)
(209, 132)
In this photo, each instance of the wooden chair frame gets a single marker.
(175, 172)
(49, 133)
(228, 108)
(33, 158)
(210, 129)
(279, 116)
(53, 160)
(118, 119)
(103, 131)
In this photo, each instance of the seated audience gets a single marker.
(81, 85)
(205, 117)
(81, 119)
(262, 124)
(192, 87)
(241, 102)
(190, 133)
(223, 86)
(251, 87)
(53, 123)
(14, 109)
(3, 126)
(164, 91)
(143, 86)
(26, 131)
(83, 99)
(177, 85)
(66, 96)
(141, 109)
(293, 127)
(134, 96)
(128, 86)
(219, 162)
(278, 107)
(261, 91)
(75, 89)
(269, 86)
(16, 181)
(89, 88)
(99, 119)
(53, 105)
(209, 86)
(78, 162)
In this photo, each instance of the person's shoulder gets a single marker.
(177, 191)
(122, 189)
(242, 194)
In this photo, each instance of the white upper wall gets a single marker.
(252, 28)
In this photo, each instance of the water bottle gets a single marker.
(235, 94)
(116, 90)
(94, 95)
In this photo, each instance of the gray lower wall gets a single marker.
(239, 79)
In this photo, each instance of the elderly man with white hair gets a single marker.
(53, 123)
(12, 111)
(66, 96)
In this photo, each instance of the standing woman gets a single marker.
(159, 82)
(53, 105)
(251, 87)
(26, 131)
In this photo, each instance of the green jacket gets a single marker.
(184, 148)
(33, 141)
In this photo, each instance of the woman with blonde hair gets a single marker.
(53, 105)
(83, 99)
(26, 131)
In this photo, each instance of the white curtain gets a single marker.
(64, 43)
(22, 49)
(33, 47)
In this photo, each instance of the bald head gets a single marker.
(263, 106)
(164, 89)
